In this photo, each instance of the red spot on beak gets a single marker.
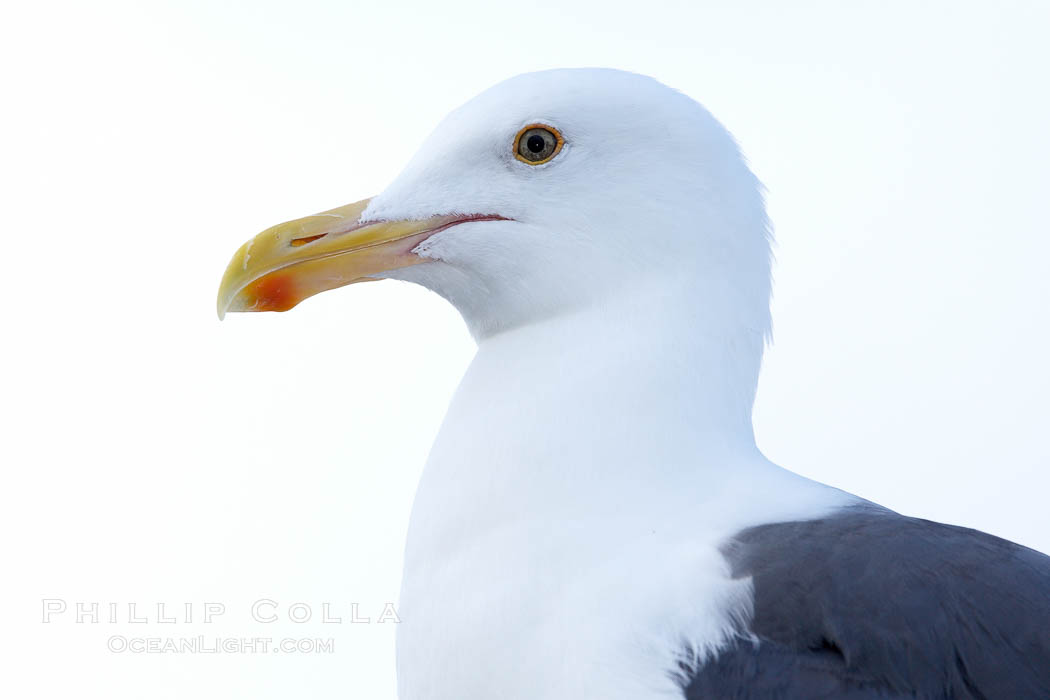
(273, 292)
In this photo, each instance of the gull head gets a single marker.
(550, 193)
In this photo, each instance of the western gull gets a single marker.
(595, 519)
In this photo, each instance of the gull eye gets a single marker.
(537, 144)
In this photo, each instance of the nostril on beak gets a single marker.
(296, 242)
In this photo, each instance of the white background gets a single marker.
(151, 454)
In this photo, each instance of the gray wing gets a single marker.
(872, 604)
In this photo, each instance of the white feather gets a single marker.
(565, 538)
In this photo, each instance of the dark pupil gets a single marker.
(536, 143)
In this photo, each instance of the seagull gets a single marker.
(595, 519)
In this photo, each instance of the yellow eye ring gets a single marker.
(536, 144)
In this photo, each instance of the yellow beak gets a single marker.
(295, 260)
